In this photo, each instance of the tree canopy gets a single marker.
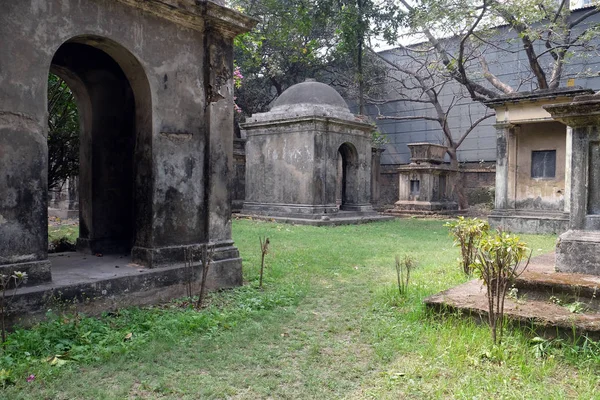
(63, 133)
(299, 39)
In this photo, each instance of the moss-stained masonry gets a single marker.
(527, 201)
(153, 83)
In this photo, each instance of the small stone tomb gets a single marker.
(308, 160)
(425, 184)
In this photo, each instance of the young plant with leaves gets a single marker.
(403, 269)
(264, 250)
(467, 232)
(9, 282)
(499, 259)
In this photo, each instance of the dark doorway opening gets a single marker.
(347, 175)
(107, 139)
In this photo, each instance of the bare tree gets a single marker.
(546, 32)
(417, 78)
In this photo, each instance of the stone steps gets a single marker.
(548, 301)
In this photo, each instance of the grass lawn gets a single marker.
(329, 324)
(56, 232)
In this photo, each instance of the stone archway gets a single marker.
(115, 114)
(154, 88)
(347, 175)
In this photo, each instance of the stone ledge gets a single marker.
(37, 271)
(326, 220)
(578, 252)
(534, 305)
(96, 284)
(522, 223)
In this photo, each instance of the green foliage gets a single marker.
(77, 339)
(467, 232)
(299, 39)
(63, 133)
(498, 261)
(378, 139)
(9, 283)
(62, 237)
(290, 44)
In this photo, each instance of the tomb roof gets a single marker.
(312, 93)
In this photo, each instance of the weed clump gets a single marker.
(403, 268)
(467, 232)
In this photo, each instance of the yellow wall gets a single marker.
(539, 193)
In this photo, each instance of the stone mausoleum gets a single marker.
(153, 85)
(533, 163)
(426, 184)
(308, 160)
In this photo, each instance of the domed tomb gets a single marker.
(309, 98)
(308, 159)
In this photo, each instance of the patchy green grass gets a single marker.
(57, 232)
(329, 324)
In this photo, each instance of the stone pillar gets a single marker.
(239, 174)
(502, 164)
(568, 161)
(23, 156)
(375, 173)
(578, 249)
(219, 153)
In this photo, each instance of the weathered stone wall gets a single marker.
(525, 192)
(160, 87)
(478, 180)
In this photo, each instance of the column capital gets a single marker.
(504, 125)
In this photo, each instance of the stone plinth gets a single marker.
(425, 185)
(427, 153)
(303, 153)
(578, 250)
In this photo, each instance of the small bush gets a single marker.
(467, 232)
(498, 262)
(403, 269)
(61, 245)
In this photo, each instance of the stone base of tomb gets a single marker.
(225, 254)
(37, 271)
(283, 210)
(93, 285)
(404, 207)
(532, 306)
(530, 221)
(578, 252)
(313, 215)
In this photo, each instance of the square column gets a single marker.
(578, 249)
(503, 132)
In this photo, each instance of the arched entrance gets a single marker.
(347, 175)
(115, 134)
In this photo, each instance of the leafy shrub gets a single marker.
(467, 232)
(498, 262)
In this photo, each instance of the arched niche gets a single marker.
(115, 175)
